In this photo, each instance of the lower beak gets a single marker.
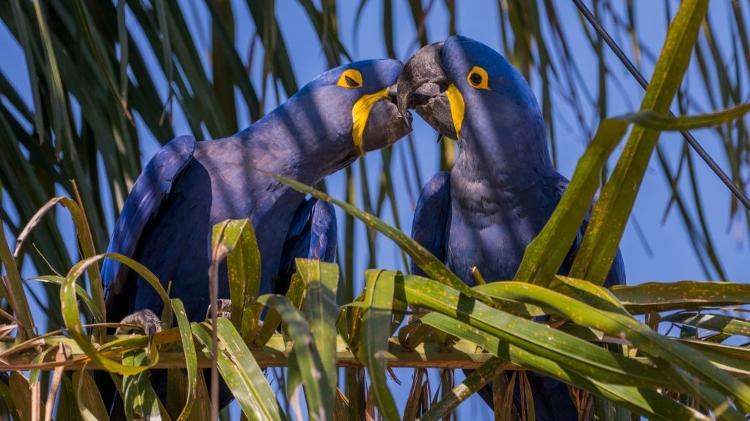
(424, 86)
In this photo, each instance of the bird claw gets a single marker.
(223, 308)
(144, 319)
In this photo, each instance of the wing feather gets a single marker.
(311, 235)
(143, 204)
(432, 216)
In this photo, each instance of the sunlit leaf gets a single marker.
(611, 212)
(240, 371)
(660, 296)
(546, 252)
(320, 310)
(376, 329)
(243, 271)
(308, 360)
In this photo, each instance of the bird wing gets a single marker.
(431, 218)
(311, 235)
(616, 275)
(143, 204)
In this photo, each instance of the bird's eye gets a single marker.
(478, 78)
(350, 78)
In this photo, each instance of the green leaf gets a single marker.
(85, 242)
(663, 122)
(572, 352)
(240, 371)
(16, 294)
(661, 296)
(733, 359)
(514, 307)
(71, 312)
(575, 354)
(243, 270)
(90, 307)
(612, 210)
(224, 41)
(67, 404)
(619, 325)
(177, 384)
(717, 322)
(90, 402)
(373, 339)
(321, 311)
(139, 397)
(295, 294)
(312, 371)
(641, 400)
(589, 293)
(191, 358)
(545, 254)
(39, 358)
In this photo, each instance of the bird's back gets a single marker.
(217, 183)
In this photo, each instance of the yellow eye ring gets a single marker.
(478, 78)
(350, 78)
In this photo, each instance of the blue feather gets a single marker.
(431, 217)
(312, 235)
(188, 187)
(500, 192)
(143, 204)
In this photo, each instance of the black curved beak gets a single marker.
(422, 86)
(423, 68)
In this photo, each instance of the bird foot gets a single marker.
(223, 308)
(144, 319)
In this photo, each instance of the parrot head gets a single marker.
(356, 104)
(468, 92)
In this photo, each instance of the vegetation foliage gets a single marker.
(92, 89)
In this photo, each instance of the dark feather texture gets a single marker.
(502, 188)
(189, 186)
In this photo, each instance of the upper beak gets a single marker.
(422, 68)
(424, 86)
(392, 93)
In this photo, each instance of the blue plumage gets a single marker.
(145, 199)
(189, 186)
(502, 188)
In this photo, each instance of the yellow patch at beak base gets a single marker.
(456, 102)
(360, 113)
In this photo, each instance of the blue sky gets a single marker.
(670, 257)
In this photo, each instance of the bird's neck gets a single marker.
(290, 141)
(507, 157)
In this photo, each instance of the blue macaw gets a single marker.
(502, 188)
(189, 186)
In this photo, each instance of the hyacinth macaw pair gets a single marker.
(499, 194)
